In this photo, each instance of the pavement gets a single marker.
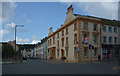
(10, 62)
(66, 62)
(7, 62)
(60, 67)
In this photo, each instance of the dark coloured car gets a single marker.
(24, 58)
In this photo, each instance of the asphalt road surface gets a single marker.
(46, 67)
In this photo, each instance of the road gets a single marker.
(45, 67)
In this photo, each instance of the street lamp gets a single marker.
(15, 38)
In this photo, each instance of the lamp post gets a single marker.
(15, 39)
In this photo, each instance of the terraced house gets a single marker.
(78, 39)
(41, 49)
(110, 39)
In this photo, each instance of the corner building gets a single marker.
(73, 38)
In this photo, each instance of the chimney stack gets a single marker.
(50, 31)
(70, 11)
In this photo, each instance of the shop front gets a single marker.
(110, 52)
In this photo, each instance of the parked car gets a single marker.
(24, 58)
(34, 58)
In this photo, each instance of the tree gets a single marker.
(7, 51)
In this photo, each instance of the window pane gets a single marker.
(115, 40)
(58, 43)
(104, 28)
(58, 35)
(67, 41)
(62, 42)
(115, 29)
(85, 51)
(110, 29)
(85, 38)
(95, 39)
(75, 38)
(58, 52)
(110, 39)
(75, 27)
(62, 33)
(67, 52)
(85, 26)
(75, 51)
(66, 31)
(95, 52)
(95, 26)
(104, 39)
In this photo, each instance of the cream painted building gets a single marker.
(73, 38)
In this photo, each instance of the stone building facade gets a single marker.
(73, 38)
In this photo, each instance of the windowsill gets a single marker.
(62, 36)
(85, 57)
(75, 30)
(95, 43)
(85, 29)
(104, 43)
(86, 43)
(66, 46)
(95, 30)
(110, 43)
(58, 48)
(95, 57)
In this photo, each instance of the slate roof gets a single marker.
(104, 21)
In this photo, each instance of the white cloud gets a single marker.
(26, 19)
(7, 11)
(34, 37)
(104, 9)
(10, 27)
(107, 10)
(24, 16)
(34, 42)
(2, 33)
(20, 40)
(8, 40)
(88, 0)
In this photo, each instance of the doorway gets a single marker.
(62, 52)
(53, 54)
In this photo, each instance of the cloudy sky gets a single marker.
(38, 17)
